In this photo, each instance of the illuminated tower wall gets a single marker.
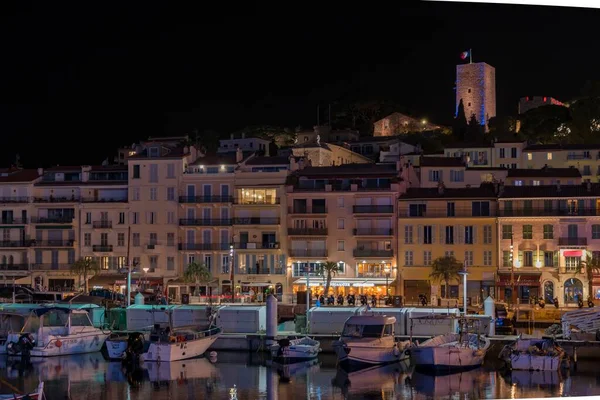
(476, 86)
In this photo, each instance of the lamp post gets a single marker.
(464, 274)
(145, 269)
(387, 271)
(512, 271)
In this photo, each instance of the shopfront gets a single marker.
(343, 286)
(526, 285)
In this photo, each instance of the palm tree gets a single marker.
(588, 266)
(198, 273)
(445, 269)
(85, 267)
(328, 270)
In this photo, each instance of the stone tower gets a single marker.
(476, 86)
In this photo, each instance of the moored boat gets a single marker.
(295, 350)
(369, 340)
(534, 355)
(37, 395)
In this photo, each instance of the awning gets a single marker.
(521, 279)
(183, 282)
(107, 280)
(257, 284)
(573, 253)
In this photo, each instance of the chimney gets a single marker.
(239, 156)
(441, 188)
(40, 171)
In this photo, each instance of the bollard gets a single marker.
(271, 320)
(139, 299)
(489, 309)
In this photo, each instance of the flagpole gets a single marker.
(470, 56)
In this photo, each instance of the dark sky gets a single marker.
(79, 80)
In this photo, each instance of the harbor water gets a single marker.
(252, 376)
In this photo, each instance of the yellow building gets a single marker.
(584, 157)
(438, 222)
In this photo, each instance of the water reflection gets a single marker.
(251, 376)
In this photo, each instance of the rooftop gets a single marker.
(442, 162)
(264, 160)
(164, 152)
(349, 170)
(551, 191)
(12, 175)
(545, 172)
(219, 159)
(486, 191)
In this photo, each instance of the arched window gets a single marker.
(548, 291)
(573, 290)
(11, 260)
(3, 260)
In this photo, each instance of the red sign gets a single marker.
(573, 253)
(520, 280)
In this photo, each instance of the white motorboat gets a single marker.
(534, 355)
(181, 344)
(56, 331)
(295, 350)
(369, 340)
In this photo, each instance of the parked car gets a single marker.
(505, 320)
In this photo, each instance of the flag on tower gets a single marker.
(464, 55)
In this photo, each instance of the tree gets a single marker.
(474, 129)
(589, 265)
(459, 127)
(546, 124)
(86, 267)
(445, 269)
(197, 273)
(328, 270)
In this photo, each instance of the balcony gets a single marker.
(52, 220)
(373, 274)
(308, 253)
(581, 156)
(373, 209)
(307, 231)
(256, 246)
(52, 243)
(570, 241)
(205, 222)
(14, 221)
(51, 267)
(203, 246)
(373, 253)
(99, 248)
(305, 210)
(102, 224)
(205, 199)
(258, 202)
(374, 188)
(14, 267)
(15, 243)
(263, 271)
(54, 199)
(256, 221)
(542, 212)
(443, 213)
(373, 232)
(104, 200)
(14, 199)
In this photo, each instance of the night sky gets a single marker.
(80, 80)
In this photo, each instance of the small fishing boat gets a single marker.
(37, 395)
(296, 350)
(452, 351)
(534, 355)
(369, 340)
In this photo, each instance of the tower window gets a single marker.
(468, 104)
(469, 90)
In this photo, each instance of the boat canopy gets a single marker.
(44, 310)
(370, 320)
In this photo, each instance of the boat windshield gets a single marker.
(357, 331)
(352, 330)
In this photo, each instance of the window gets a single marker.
(549, 156)
(340, 245)
(408, 234)
(595, 231)
(340, 202)
(506, 231)
(170, 171)
(171, 217)
(549, 258)
(450, 209)
(487, 234)
(528, 258)
(88, 218)
(449, 234)
(487, 258)
(549, 231)
(120, 239)
(153, 262)
(513, 152)
(170, 263)
(427, 257)
(135, 238)
(435, 176)
(170, 194)
(135, 218)
(135, 194)
(469, 91)
(71, 256)
(87, 239)
(428, 234)
(449, 253)
(536, 183)
(136, 172)
(408, 258)
(480, 208)
(519, 182)
(468, 258)
(153, 194)
(151, 217)
(457, 176)
(469, 235)
(170, 239)
(153, 239)
(527, 231)
(469, 104)
(340, 224)
(586, 170)
(513, 165)
(572, 263)
(153, 173)
(502, 153)
(417, 210)
(506, 259)
(529, 156)
(121, 218)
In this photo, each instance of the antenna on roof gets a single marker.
(105, 162)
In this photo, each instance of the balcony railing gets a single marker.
(307, 231)
(262, 271)
(56, 199)
(259, 202)
(373, 209)
(306, 210)
(373, 253)
(51, 267)
(104, 200)
(308, 253)
(102, 224)
(444, 213)
(570, 241)
(541, 212)
(14, 221)
(205, 222)
(579, 156)
(373, 232)
(256, 221)
(14, 267)
(14, 199)
(256, 245)
(374, 274)
(205, 199)
(374, 188)
(52, 243)
(99, 248)
(15, 243)
(204, 246)
(52, 220)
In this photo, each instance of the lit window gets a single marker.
(549, 155)
(529, 156)
(519, 183)
(536, 183)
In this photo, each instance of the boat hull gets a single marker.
(116, 345)
(167, 352)
(298, 350)
(54, 346)
(355, 356)
(527, 362)
(444, 358)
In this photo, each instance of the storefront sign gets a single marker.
(363, 284)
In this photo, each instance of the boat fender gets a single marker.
(58, 343)
(172, 339)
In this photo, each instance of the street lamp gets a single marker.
(387, 271)
(512, 270)
(145, 269)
